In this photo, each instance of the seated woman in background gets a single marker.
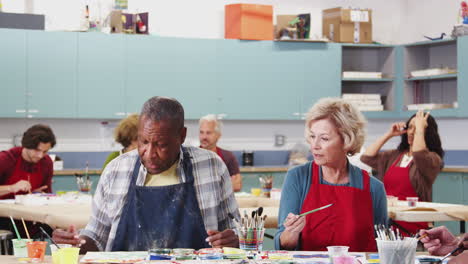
(411, 169)
(334, 130)
(126, 133)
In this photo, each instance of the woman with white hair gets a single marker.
(335, 130)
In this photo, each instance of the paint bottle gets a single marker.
(184, 253)
(159, 254)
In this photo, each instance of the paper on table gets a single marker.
(114, 257)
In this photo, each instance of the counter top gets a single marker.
(254, 169)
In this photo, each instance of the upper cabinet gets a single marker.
(13, 73)
(181, 68)
(51, 74)
(431, 73)
(101, 76)
(369, 78)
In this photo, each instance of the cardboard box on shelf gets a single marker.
(248, 21)
(347, 25)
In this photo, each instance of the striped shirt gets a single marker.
(212, 186)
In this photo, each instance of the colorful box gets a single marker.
(347, 25)
(248, 21)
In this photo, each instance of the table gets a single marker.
(61, 216)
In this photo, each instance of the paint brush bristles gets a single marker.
(14, 227)
(25, 228)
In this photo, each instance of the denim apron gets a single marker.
(161, 216)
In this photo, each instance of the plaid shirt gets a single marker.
(212, 185)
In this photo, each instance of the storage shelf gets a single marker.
(434, 77)
(431, 42)
(301, 40)
(367, 80)
(362, 45)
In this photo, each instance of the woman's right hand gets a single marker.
(294, 223)
(21, 186)
(397, 129)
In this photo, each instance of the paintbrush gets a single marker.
(460, 247)
(421, 237)
(87, 170)
(235, 221)
(47, 235)
(313, 211)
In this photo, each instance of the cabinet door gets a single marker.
(13, 73)
(448, 188)
(462, 77)
(101, 75)
(322, 72)
(51, 74)
(180, 68)
(260, 79)
(465, 189)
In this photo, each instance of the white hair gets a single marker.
(212, 118)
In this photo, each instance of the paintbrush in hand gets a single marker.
(459, 248)
(313, 211)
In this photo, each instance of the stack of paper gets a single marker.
(432, 72)
(362, 75)
(416, 107)
(365, 102)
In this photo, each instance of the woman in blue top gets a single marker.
(334, 130)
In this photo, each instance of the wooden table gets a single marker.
(61, 216)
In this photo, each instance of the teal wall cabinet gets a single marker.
(101, 75)
(51, 74)
(13, 73)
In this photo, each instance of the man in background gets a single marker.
(210, 132)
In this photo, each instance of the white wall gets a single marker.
(205, 18)
(91, 135)
(428, 17)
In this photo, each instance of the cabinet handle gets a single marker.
(20, 110)
(296, 114)
(120, 114)
(34, 111)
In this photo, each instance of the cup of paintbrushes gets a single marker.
(397, 251)
(84, 184)
(251, 238)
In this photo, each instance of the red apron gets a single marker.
(397, 183)
(349, 222)
(35, 178)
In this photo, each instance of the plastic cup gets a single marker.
(337, 251)
(397, 251)
(251, 239)
(84, 185)
(19, 247)
(392, 200)
(256, 191)
(412, 201)
(344, 259)
(36, 250)
(69, 255)
(55, 252)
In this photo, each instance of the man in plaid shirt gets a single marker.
(163, 195)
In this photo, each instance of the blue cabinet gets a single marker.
(51, 74)
(101, 76)
(448, 188)
(462, 76)
(13, 73)
(174, 67)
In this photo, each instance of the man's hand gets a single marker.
(439, 241)
(226, 238)
(69, 236)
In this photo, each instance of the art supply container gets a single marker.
(337, 251)
(160, 254)
(69, 255)
(233, 253)
(412, 201)
(392, 201)
(36, 250)
(256, 191)
(251, 239)
(346, 259)
(84, 185)
(397, 251)
(19, 247)
(210, 253)
(184, 253)
(55, 252)
(266, 181)
(279, 254)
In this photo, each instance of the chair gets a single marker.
(5, 237)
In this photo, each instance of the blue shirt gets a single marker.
(297, 185)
